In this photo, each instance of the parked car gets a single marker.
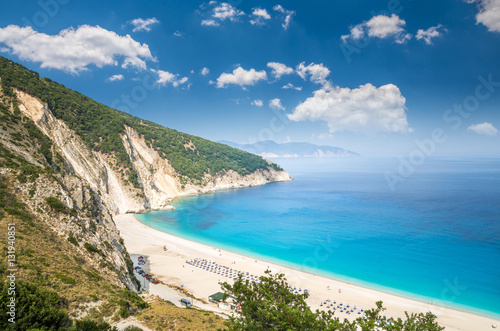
(186, 302)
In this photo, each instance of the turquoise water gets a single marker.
(435, 238)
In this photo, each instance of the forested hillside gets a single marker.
(72, 270)
(100, 128)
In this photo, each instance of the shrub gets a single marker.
(92, 249)
(73, 240)
(89, 325)
(36, 308)
(56, 205)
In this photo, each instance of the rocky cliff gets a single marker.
(69, 164)
(158, 179)
(65, 236)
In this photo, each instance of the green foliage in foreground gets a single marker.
(35, 308)
(269, 305)
(40, 309)
(100, 128)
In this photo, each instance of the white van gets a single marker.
(186, 302)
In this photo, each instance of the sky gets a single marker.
(401, 78)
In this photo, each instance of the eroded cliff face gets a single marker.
(50, 207)
(160, 183)
(157, 177)
(85, 163)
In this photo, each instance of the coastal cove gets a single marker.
(434, 239)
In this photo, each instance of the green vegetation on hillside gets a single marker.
(269, 305)
(50, 262)
(100, 127)
(41, 309)
(35, 308)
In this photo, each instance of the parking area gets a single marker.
(142, 271)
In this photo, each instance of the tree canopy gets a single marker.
(269, 305)
(35, 308)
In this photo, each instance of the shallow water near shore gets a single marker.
(435, 238)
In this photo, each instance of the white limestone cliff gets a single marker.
(156, 176)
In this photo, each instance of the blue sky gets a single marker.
(387, 78)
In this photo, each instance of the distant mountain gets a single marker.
(269, 148)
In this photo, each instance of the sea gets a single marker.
(427, 231)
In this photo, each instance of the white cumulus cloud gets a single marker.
(115, 78)
(317, 73)
(485, 128)
(219, 13)
(226, 11)
(181, 81)
(165, 77)
(287, 13)
(73, 50)
(257, 102)
(365, 109)
(279, 69)
(291, 86)
(205, 71)
(241, 77)
(380, 26)
(430, 33)
(209, 23)
(260, 16)
(276, 104)
(261, 13)
(489, 13)
(143, 24)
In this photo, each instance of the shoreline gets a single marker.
(170, 266)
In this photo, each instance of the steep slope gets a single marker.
(133, 164)
(65, 237)
(61, 190)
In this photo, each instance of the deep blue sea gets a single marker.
(435, 238)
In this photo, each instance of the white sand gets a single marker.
(170, 267)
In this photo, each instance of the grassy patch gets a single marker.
(65, 279)
(162, 315)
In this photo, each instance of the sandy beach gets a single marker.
(171, 268)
